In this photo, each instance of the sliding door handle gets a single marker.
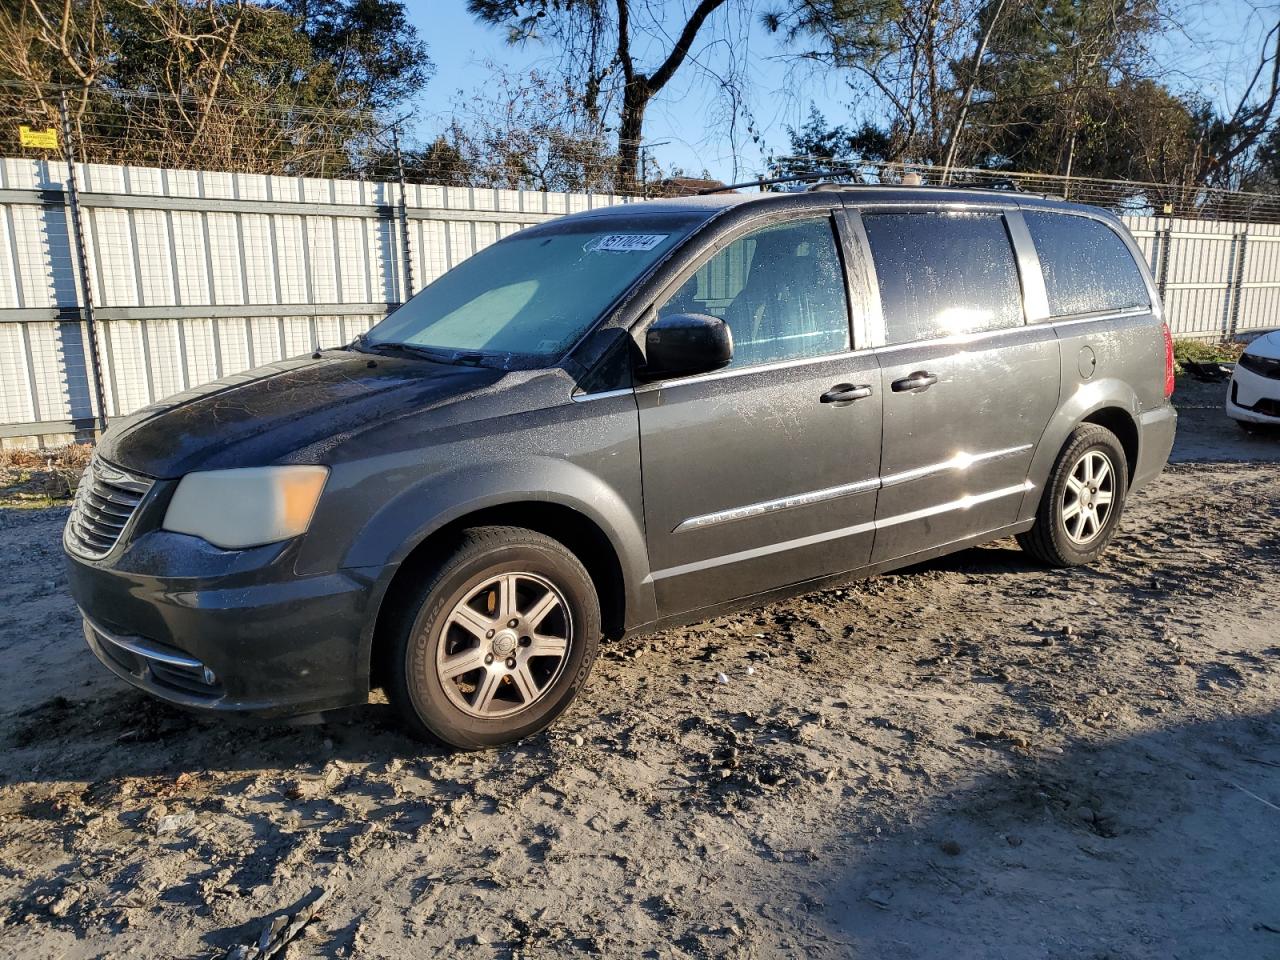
(920, 380)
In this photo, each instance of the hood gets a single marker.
(1267, 345)
(265, 415)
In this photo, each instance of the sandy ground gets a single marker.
(975, 758)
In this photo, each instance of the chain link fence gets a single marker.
(462, 148)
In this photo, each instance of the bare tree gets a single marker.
(597, 41)
(1231, 139)
(45, 42)
(521, 131)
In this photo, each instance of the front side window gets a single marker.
(1087, 267)
(942, 274)
(780, 289)
(525, 300)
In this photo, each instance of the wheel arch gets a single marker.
(1107, 403)
(579, 533)
(1120, 422)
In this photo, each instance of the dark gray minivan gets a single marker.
(618, 421)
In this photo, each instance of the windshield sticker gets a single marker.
(628, 242)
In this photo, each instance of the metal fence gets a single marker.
(194, 275)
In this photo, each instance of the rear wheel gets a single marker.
(1083, 501)
(496, 642)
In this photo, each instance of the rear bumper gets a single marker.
(275, 648)
(1155, 442)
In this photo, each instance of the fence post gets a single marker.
(1165, 237)
(404, 215)
(1237, 284)
(72, 194)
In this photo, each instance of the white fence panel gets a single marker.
(197, 275)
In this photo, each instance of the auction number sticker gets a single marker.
(628, 242)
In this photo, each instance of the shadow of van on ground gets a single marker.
(1162, 845)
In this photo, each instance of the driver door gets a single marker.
(752, 480)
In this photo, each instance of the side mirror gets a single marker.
(681, 344)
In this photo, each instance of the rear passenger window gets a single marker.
(942, 274)
(781, 290)
(1087, 267)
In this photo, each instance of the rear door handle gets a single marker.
(844, 392)
(920, 380)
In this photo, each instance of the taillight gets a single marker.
(1169, 378)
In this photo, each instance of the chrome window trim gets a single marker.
(602, 395)
(964, 339)
(1071, 319)
(961, 461)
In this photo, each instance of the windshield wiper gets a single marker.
(365, 345)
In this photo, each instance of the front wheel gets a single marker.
(1082, 503)
(497, 642)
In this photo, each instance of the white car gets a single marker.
(1254, 395)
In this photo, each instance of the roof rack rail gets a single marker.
(836, 186)
(790, 178)
(999, 183)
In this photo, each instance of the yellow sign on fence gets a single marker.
(41, 139)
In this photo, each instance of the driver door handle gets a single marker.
(920, 380)
(844, 392)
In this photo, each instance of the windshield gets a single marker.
(525, 300)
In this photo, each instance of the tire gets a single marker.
(1061, 536)
(438, 679)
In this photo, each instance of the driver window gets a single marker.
(781, 290)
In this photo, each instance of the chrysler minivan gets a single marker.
(615, 422)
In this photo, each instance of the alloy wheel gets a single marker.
(1088, 497)
(504, 645)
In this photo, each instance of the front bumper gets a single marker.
(262, 643)
(1252, 397)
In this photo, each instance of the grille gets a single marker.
(105, 503)
(1263, 366)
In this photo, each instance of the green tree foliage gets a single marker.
(374, 50)
(817, 147)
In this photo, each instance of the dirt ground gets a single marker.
(976, 758)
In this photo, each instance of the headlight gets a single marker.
(246, 508)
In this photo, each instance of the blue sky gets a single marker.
(1211, 53)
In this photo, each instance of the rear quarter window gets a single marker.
(1087, 267)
